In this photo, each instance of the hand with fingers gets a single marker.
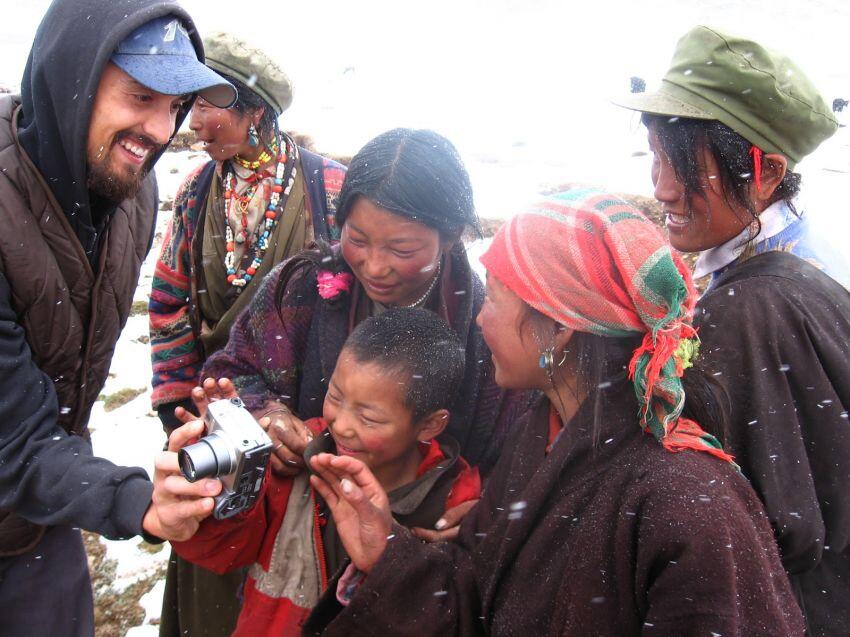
(202, 395)
(360, 507)
(290, 436)
(177, 505)
(448, 526)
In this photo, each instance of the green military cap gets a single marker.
(229, 55)
(761, 95)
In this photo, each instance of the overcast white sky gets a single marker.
(478, 69)
(521, 86)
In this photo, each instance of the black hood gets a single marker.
(73, 44)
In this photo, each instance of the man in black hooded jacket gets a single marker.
(106, 86)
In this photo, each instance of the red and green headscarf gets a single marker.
(594, 263)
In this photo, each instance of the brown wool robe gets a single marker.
(626, 539)
(776, 331)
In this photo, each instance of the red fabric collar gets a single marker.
(432, 455)
(555, 428)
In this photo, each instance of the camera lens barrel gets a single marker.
(207, 458)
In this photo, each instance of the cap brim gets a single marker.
(662, 103)
(177, 75)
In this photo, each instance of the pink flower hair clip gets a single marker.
(330, 285)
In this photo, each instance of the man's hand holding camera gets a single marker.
(177, 505)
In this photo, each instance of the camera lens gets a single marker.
(208, 458)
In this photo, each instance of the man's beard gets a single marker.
(116, 185)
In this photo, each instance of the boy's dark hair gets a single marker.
(419, 349)
(417, 174)
(683, 139)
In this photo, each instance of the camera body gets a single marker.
(235, 450)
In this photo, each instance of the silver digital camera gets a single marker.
(235, 450)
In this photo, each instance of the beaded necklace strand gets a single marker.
(265, 157)
(241, 203)
(232, 200)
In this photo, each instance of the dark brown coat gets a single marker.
(71, 316)
(776, 331)
(625, 539)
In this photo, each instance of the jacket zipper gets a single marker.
(320, 547)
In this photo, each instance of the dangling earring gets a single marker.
(253, 136)
(547, 361)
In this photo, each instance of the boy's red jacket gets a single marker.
(287, 541)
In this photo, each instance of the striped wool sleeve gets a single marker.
(268, 341)
(175, 355)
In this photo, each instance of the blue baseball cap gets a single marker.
(160, 55)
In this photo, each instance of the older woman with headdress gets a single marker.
(611, 511)
(259, 200)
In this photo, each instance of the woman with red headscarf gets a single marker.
(613, 510)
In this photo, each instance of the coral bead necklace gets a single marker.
(275, 194)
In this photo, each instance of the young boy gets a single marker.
(386, 404)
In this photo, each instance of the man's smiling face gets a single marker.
(129, 125)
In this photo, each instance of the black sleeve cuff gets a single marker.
(166, 413)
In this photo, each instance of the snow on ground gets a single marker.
(152, 602)
(147, 630)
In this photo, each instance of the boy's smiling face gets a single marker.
(368, 419)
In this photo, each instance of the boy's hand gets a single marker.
(208, 391)
(359, 505)
(447, 526)
(177, 505)
(290, 436)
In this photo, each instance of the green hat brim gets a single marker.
(669, 100)
(761, 95)
(662, 103)
(250, 81)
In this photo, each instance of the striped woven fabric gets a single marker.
(594, 263)
(175, 348)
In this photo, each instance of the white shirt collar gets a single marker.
(774, 219)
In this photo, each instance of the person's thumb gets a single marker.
(290, 438)
(453, 516)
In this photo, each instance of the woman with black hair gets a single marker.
(405, 202)
(611, 511)
(259, 200)
(727, 128)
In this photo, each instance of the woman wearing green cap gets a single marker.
(727, 128)
(260, 200)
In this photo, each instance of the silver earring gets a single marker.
(547, 361)
(253, 136)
